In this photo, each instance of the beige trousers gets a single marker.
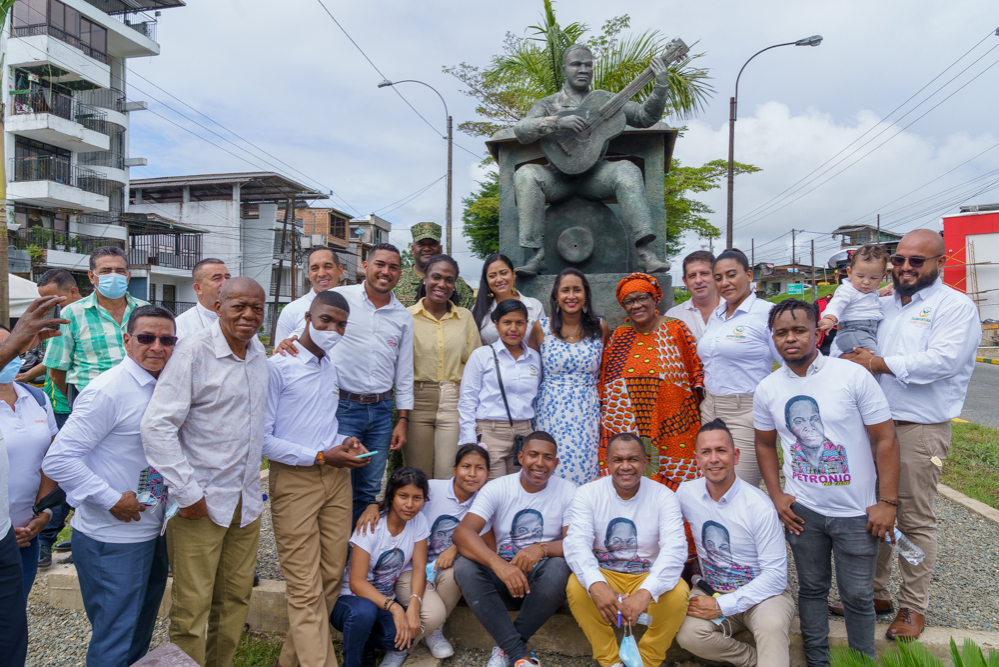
(438, 600)
(433, 431)
(769, 621)
(497, 437)
(212, 583)
(311, 509)
(917, 489)
(736, 410)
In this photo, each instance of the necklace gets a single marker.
(573, 337)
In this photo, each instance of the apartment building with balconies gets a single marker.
(66, 127)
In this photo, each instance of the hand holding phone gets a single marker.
(364, 456)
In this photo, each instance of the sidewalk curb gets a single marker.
(987, 360)
(990, 514)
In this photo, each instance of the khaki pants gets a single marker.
(769, 621)
(311, 509)
(497, 437)
(212, 583)
(433, 432)
(437, 603)
(736, 410)
(667, 615)
(917, 488)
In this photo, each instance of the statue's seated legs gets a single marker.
(536, 185)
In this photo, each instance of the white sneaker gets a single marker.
(528, 662)
(439, 647)
(498, 658)
(394, 658)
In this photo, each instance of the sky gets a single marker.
(284, 77)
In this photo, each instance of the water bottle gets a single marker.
(699, 581)
(905, 548)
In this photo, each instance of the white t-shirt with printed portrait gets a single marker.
(443, 513)
(519, 518)
(821, 419)
(388, 556)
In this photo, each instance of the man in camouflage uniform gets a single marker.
(426, 244)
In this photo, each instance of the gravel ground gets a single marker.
(969, 548)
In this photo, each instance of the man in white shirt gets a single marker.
(527, 569)
(209, 276)
(120, 500)
(830, 415)
(700, 283)
(928, 339)
(204, 432)
(626, 548)
(310, 481)
(323, 269)
(740, 546)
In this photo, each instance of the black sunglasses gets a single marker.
(149, 339)
(914, 262)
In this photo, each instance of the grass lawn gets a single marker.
(972, 466)
(257, 650)
(821, 289)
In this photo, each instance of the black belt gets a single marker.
(365, 399)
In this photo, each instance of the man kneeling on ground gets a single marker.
(740, 546)
(626, 548)
(527, 570)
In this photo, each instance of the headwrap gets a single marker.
(639, 282)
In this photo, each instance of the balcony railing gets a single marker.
(61, 35)
(180, 251)
(145, 26)
(43, 100)
(103, 98)
(36, 240)
(175, 307)
(93, 118)
(101, 159)
(59, 170)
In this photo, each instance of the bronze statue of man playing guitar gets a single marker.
(575, 138)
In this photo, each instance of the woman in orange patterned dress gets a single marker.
(651, 383)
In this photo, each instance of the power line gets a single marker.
(405, 200)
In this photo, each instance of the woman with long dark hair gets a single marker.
(376, 606)
(737, 351)
(571, 344)
(499, 283)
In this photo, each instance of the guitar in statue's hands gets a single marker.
(574, 151)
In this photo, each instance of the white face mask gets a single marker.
(325, 339)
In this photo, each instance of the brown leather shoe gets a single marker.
(880, 607)
(908, 624)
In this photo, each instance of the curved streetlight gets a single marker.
(385, 84)
(814, 40)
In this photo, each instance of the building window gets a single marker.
(338, 227)
(38, 17)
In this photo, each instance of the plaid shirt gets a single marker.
(91, 343)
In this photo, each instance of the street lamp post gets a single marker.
(450, 144)
(814, 40)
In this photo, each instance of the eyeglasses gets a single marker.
(639, 299)
(149, 339)
(914, 262)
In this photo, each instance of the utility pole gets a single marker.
(450, 146)
(814, 293)
(294, 282)
(792, 250)
(752, 257)
(277, 291)
(879, 229)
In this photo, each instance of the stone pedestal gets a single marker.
(583, 233)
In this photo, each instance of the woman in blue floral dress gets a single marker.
(571, 344)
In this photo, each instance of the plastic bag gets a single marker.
(629, 650)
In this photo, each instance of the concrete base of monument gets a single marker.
(603, 286)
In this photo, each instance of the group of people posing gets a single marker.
(546, 458)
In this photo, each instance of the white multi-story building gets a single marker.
(66, 131)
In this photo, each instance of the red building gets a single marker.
(974, 231)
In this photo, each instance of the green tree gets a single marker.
(481, 217)
(684, 214)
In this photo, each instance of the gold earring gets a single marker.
(515, 291)
(492, 296)
(584, 310)
(557, 309)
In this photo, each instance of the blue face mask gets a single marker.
(431, 572)
(10, 371)
(629, 652)
(112, 285)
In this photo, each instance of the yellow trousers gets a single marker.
(667, 615)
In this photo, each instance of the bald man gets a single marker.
(204, 432)
(928, 340)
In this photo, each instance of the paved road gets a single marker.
(981, 406)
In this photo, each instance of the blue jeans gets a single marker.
(122, 585)
(856, 554)
(13, 614)
(361, 621)
(372, 425)
(29, 565)
(50, 533)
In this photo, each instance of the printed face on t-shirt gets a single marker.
(813, 455)
(720, 570)
(440, 535)
(387, 570)
(805, 421)
(621, 541)
(528, 527)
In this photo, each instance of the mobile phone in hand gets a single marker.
(364, 456)
(54, 313)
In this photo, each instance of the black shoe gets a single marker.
(65, 545)
(256, 579)
(44, 556)
(67, 561)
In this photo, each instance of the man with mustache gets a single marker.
(928, 339)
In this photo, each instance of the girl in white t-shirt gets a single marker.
(375, 608)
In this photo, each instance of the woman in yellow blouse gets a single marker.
(444, 334)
